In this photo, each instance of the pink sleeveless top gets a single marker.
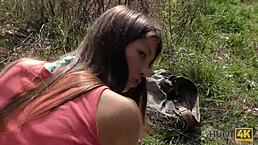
(73, 123)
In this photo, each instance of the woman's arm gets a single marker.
(118, 119)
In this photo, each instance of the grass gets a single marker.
(219, 53)
(212, 42)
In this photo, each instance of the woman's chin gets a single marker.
(128, 87)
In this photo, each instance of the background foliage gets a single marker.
(213, 42)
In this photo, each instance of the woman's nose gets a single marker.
(145, 70)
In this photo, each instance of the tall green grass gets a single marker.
(219, 52)
(212, 42)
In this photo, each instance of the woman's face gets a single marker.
(139, 55)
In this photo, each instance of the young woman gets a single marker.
(94, 95)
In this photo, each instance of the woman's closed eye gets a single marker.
(142, 54)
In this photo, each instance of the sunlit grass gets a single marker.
(213, 42)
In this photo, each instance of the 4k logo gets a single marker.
(244, 134)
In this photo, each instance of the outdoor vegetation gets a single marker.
(212, 42)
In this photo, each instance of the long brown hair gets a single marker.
(100, 59)
(103, 49)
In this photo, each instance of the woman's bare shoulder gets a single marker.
(119, 119)
(119, 100)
